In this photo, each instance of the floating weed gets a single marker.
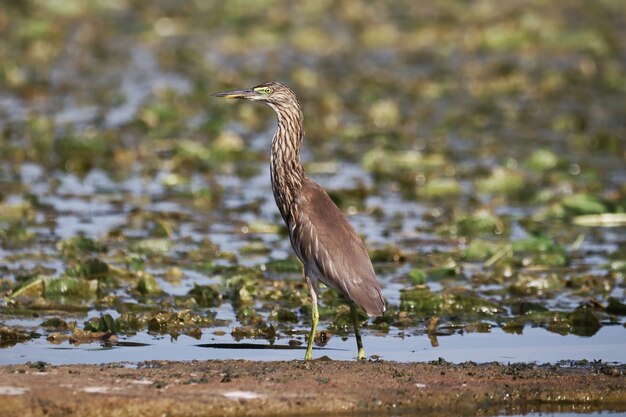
(480, 223)
(523, 308)
(104, 323)
(601, 220)
(462, 304)
(480, 250)
(163, 118)
(176, 322)
(350, 199)
(251, 332)
(80, 336)
(207, 198)
(400, 165)
(583, 208)
(242, 288)
(468, 304)
(12, 335)
(563, 323)
(82, 154)
(255, 247)
(31, 287)
(207, 250)
(417, 276)
(616, 307)
(79, 246)
(289, 265)
(440, 187)
(227, 142)
(162, 322)
(70, 289)
(421, 301)
(540, 251)
(130, 322)
(91, 269)
(56, 289)
(206, 295)
(249, 316)
(579, 204)
(262, 227)
(147, 284)
(174, 180)
(57, 323)
(283, 315)
(384, 113)
(174, 275)
(134, 262)
(587, 284)
(16, 236)
(583, 322)
(502, 181)
(56, 338)
(536, 285)
(193, 154)
(443, 272)
(389, 253)
(542, 160)
(153, 246)
(286, 293)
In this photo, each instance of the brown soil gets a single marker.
(236, 388)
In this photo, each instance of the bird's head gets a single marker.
(274, 94)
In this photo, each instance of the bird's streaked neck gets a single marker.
(287, 173)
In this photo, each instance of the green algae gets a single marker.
(542, 160)
(480, 250)
(284, 315)
(502, 181)
(616, 307)
(206, 295)
(104, 323)
(581, 322)
(440, 187)
(12, 335)
(541, 251)
(71, 288)
(147, 284)
(79, 246)
(479, 223)
(418, 276)
(423, 302)
(583, 204)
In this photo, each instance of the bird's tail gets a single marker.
(371, 300)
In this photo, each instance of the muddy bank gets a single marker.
(235, 388)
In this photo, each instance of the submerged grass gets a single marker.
(479, 149)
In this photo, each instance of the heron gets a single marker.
(323, 239)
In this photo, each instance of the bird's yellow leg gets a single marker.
(314, 319)
(357, 334)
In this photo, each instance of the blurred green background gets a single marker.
(479, 147)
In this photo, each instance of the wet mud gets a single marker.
(322, 387)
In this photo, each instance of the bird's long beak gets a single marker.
(235, 94)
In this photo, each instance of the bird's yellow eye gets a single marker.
(263, 90)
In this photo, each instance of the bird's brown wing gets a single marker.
(330, 248)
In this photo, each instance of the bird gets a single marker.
(322, 237)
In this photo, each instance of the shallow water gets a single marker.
(535, 345)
